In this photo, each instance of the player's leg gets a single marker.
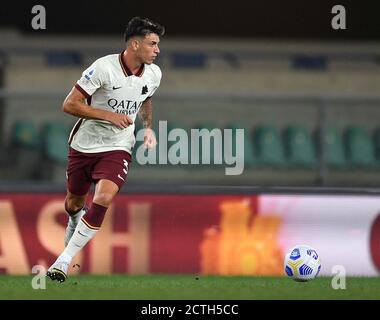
(74, 203)
(90, 223)
(75, 208)
(78, 185)
(58, 270)
(86, 228)
(111, 172)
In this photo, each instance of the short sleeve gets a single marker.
(91, 80)
(153, 91)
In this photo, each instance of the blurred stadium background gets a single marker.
(310, 106)
(306, 95)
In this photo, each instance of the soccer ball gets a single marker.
(302, 263)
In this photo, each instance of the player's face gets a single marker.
(148, 48)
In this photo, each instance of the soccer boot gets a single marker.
(72, 224)
(58, 270)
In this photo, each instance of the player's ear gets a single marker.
(135, 44)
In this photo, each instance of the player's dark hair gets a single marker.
(141, 27)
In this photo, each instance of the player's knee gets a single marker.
(103, 198)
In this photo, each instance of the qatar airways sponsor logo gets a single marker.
(127, 107)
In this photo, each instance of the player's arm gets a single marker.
(75, 105)
(146, 116)
(146, 113)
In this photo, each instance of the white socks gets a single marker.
(79, 239)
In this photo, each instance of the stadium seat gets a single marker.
(188, 59)
(334, 148)
(64, 58)
(359, 148)
(25, 144)
(25, 134)
(250, 158)
(299, 147)
(318, 62)
(376, 142)
(55, 145)
(269, 146)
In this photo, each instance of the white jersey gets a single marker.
(108, 84)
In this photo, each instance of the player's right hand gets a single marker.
(120, 120)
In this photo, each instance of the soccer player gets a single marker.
(116, 87)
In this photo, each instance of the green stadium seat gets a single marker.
(299, 147)
(359, 148)
(55, 145)
(26, 144)
(269, 146)
(376, 143)
(334, 148)
(250, 158)
(24, 134)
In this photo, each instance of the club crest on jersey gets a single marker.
(144, 89)
(89, 75)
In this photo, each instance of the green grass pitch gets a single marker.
(177, 287)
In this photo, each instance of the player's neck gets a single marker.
(132, 63)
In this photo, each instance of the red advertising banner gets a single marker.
(144, 234)
(199, 234)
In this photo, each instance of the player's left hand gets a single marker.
(149, 139)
